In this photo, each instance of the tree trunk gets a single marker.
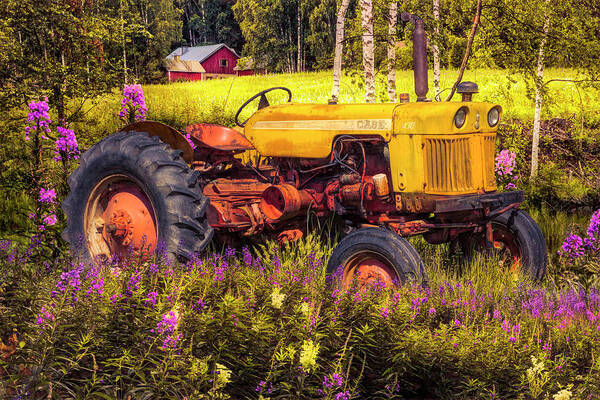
(123, 43)
(436, 49)
(539, 83)
(463, 65)
(339, 47)
(299, 37)
(366, 16)
(392, 51)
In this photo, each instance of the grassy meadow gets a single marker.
(266, 322)
(216, 101)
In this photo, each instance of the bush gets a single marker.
(272, 324)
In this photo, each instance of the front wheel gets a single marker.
(131, 195)
(517, 239)
(372, 255)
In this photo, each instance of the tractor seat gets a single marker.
(218, 137)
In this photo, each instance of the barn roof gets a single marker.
(198, 53)
(179, 65)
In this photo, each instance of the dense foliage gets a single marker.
(271, 324)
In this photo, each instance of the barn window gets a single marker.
(223, 63)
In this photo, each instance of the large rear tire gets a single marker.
(133, 194)
(374, 254)
(517, 239)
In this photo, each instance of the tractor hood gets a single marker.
(308, 130)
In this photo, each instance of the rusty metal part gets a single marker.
(419, 56)
(367, 268)
(119, 219)
(281, 202)
(403, 98)
(290, 235)
(219, 137)
(438, 204)
(234, 204)
(167, 134)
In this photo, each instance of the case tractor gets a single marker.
(390, 171)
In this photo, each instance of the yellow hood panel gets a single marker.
(308, 130)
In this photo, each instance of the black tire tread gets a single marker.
(177, 186)
(405, 258)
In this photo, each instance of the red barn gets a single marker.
(201, 62)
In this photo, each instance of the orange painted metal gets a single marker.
(290, 235)
(219, 137)
(130, 223)
(169, 135)
(505, 243)
(234, 204)
(280, 202)
(367, 269)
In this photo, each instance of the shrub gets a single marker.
(272, 324)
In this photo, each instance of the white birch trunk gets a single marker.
(339, 47)
(392, 51)
(366, 16)
(539, 82)
(436, 50)
(299, 34)
(123, 43)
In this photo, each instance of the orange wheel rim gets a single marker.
(507, 246)
(367, 269)
(119, 219)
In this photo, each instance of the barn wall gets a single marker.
(211, 65)
(245, 72)
(185, 76)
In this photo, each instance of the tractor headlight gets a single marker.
(460, 117)
(494, 116)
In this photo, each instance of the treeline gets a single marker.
(69, 49)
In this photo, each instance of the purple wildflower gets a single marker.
(47, 196)
(151, 299)
(44, 317)
(49, 219)
(572, 246)
(66, 145)
(133, 104)
(38, 118)
(384, 312)
(505, 163)
(345, 395)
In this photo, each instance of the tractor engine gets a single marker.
(352, 182)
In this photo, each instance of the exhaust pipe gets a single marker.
(419, 56)
(281, 202)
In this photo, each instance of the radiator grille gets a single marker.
(448, 165)
(489, 153)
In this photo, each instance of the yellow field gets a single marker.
(216, 101)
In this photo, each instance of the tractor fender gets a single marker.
(167, 134)
(219, 137)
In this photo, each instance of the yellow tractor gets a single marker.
(389, 170)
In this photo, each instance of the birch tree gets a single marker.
(339, 48)
(391, 51)
(539, 82)
(436, 50)
(366, 17)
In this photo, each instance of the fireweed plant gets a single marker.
(40, 134)
(133, 104)
(270, 323)
(505, 169)
(576, 247)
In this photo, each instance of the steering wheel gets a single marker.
(262, 103)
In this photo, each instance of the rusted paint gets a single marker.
(219, 137)
(129, 221)
(167, 134)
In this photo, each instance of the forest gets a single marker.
(256, 317)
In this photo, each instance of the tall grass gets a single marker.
(216, 101)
